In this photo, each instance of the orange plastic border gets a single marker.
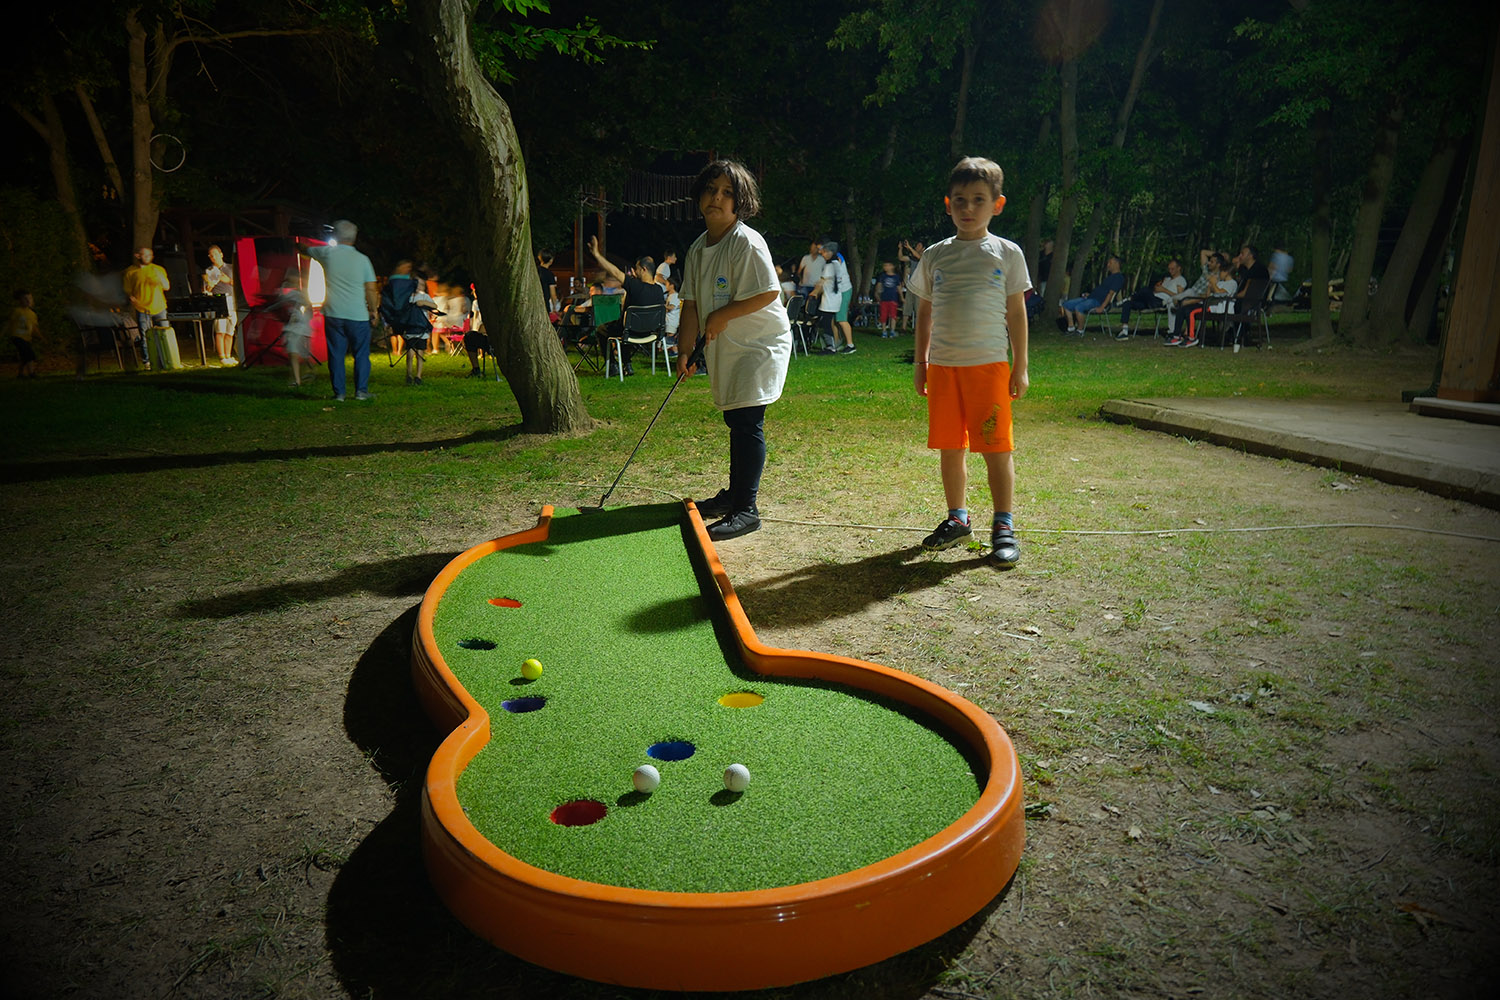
(714, 941)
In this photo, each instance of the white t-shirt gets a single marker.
(1227, 286)
(747, 362)
(663, 272)
(834, 272)
(811, 269)
(674, 313)
(968, 283)
(1171, 287)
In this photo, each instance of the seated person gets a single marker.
(1250, 269)
(1096, 301)
(1158, 295)
(1220, 287)
(639, 288)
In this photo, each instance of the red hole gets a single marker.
(579, 813)
(505, 602)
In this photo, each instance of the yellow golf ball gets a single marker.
(531, 669)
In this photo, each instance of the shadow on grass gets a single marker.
(822, 591)
(388, 934)
(73, 468)
(399, 577)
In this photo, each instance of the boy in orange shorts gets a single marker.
(971, 317)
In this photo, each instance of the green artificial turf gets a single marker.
(614, 610)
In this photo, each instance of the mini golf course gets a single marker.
(881, 811)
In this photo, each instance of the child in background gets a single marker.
(296, 331)
(674, 313)
(731, 297)
(971, 311)
(402, 309)
(23, 328)
(889, 283)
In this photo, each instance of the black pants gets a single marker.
(747, 454)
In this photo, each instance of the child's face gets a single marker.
(971, 206)
(889, 267)
(717, 200)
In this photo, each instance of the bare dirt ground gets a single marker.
(212, 754)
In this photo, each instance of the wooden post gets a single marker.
(1471, 360)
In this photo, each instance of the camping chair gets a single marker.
(1254, 307)
(643, 325)
(794, 314)
(578, 331)
(96, 338)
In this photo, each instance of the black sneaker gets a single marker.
(947, 535)
(1005, 551)
(741, 522)
(715, 507)
(847, 349)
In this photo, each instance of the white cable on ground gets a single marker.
(1196, 529)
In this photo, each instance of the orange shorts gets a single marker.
(969, 407)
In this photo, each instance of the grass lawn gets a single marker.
(1257, 765)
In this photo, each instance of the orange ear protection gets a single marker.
(999, 204)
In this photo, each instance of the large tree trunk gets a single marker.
(145, 207)
(1067, 121)
(498, 244)
(1422, 303)
(1037, 211)
(1389, 312)
(1321, 242)
(50, 128)
(961, 113)
(1356, 309)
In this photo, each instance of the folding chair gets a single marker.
(1256, 304)
(577, 331)
(100, 336)
(604, 310)
(643, 325)
(794, 314)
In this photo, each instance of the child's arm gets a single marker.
(687, 334)
(924, 342)
(1015, 325)
(718, 320)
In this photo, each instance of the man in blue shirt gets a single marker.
(1097, 301)
(353, 300)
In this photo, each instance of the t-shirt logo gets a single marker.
(721, 284)
(997, 277)
(937, 278)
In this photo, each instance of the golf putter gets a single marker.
(695, 360)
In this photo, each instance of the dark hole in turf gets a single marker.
(476, 644)
(505, 602)
(523, 704)
(670, 750)
(579, 813)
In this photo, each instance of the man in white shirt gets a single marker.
(810, 270)
(1162, 294)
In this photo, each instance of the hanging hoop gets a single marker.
(181, 153)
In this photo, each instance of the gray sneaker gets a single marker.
(741, 522)
(847, 349)
(947, 535)
(364, 396)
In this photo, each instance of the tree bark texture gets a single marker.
(961, 113)
(1103, 194)
(50, 128)
(1321, 242)
(1067, 121)
(1389, 311)
(143, 199)
(1366, 238)
(498, 240)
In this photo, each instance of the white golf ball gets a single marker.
(736, 777)
(646, 779)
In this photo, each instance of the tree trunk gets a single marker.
(143, 198)
(1321, 243)
(1038, 211)
(1422, 311)
(1389, 312)
(1102, 194)
(1356, 309)
(111, 168)
(50, 128)
(498, 240)
(961, 113)
(1067, 121)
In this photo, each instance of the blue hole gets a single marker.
(673, 750)
(523, 704)
(476, 644)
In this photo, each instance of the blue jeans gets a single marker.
(1081, 305)
(344, 336)
(144, 322)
